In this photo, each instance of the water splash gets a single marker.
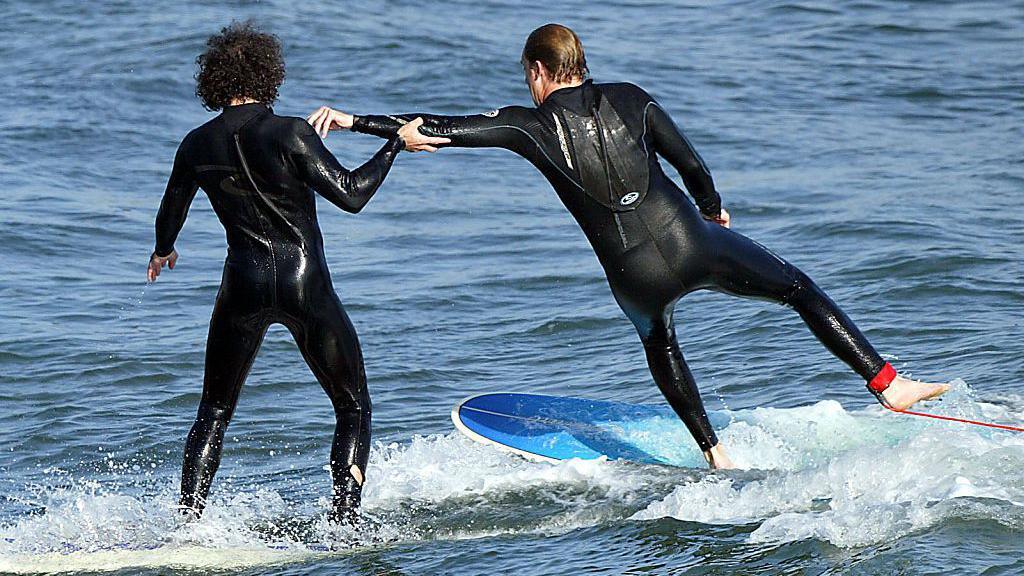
(858, 478)
(850, 478)
(421, 486)
(128, 319)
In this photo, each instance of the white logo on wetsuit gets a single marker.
(492, 113)
(561, 141)
(629, 198)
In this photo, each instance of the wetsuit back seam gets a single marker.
(259, 217)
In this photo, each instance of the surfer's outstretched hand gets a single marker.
(156, 263)
(326, 119)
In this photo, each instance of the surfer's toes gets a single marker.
(939, 390)
(903, 393)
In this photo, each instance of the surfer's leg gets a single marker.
(330, 346)
(231, 346)
(745, 268)
(672, 375)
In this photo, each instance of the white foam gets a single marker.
(850, 478)
(183, 558)
(854, 478)
(90, 527)
(435, 468)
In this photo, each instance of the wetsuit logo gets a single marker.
(629, 198)
(492, 113)
(561, 141)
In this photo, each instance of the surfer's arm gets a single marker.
(349, 190)
(503, 128)
(181, 189)
(672, 145)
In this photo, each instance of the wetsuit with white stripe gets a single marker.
(598, 145)
(260, 172)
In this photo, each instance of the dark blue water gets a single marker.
(878, 145)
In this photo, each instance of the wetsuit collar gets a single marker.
(234, 117)
(244, 108)
(579, 99)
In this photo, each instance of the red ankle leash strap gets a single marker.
(882, 380)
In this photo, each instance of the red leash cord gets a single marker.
(887, 374)
(952, 419)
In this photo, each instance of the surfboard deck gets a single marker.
(554, 428)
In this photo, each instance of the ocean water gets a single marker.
(875, 144)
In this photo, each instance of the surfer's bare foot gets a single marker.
(717, 459)
(903, 393)
(189, 513)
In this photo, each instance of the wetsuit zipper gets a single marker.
(608, 174)
(259, 217)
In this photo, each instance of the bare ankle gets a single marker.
(717, 458)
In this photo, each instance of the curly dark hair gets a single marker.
(240, 62)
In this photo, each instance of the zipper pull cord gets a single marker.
(608, 174)
(604, 152)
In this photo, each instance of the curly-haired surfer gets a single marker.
(260, 172)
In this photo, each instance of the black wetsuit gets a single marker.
(260, 172)
(598, 145)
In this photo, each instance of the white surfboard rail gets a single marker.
(461, 427)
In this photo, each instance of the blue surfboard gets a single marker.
(554, 428)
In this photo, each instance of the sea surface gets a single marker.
(878, 145)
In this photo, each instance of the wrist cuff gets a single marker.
(357, 124)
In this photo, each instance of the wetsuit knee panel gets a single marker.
(660, 338)
(799, 288)
(212, 413)
(348, 411)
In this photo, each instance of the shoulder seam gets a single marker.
(539, 147)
